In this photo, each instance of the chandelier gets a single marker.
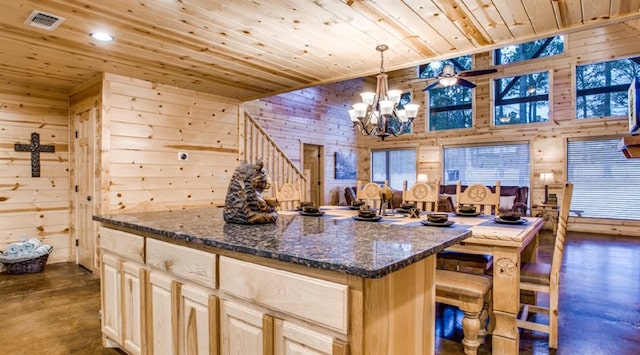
(379, 113)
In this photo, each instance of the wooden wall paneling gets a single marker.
(34, 207)
(149, 124)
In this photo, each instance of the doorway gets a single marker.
(313, 162)
(84, 205)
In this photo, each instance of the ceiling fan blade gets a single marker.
(477, 72)
(466, 83)
(433, 85)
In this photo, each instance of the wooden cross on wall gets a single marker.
(35, 148)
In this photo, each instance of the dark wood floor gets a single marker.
(57, 311)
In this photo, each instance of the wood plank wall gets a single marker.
(148, 125)
(297, 117)
(312, 116)
(34, 207)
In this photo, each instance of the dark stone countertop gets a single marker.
(361, 248)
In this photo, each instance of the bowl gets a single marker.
(357, 203)
(437, 217)
(510, 216)
(310, 209)
(367, 213)
(467, 209)
(407, 206)
(303, 204)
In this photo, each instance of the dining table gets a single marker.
(509, 243)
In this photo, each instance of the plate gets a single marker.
(372, 219)
(434, 224)
(468, 214)
(504, 221)
(354, 207)
(401, 210)
(312, 214)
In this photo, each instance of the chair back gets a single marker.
(480, 197)
(561, 232)
(288, 195)
(369, 193)
(424, 196)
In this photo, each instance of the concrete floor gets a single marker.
(56, 312)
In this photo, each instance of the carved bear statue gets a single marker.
(244, 203)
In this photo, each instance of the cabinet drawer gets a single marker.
(311, 299)
(126, 245)
(186, 263)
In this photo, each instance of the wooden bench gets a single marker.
(471, 293)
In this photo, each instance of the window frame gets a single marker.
(565, 44)
(526, 99)
(574, 89)
(387, 172)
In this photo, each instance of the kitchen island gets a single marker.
(187, 282)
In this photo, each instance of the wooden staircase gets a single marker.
(256, 144)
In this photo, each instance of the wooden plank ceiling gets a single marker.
(246, 49)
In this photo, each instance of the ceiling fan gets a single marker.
(449, 77)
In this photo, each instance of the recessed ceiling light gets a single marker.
(102, 36)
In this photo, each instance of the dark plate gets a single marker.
(468, 214)
(401, 210)
(434, 224)
(312, 214)
(371, 219)
(355, 207)
(504, 221)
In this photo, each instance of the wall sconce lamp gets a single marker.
(546, 178)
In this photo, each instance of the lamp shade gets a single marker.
(546, 178)
(422, 178)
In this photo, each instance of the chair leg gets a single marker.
(553, 320)
(471, 329)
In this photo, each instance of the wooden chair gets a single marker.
(369, 193)
(288, 195)
(480, 197)
(543, 277)
(424, 196)
(472, 295)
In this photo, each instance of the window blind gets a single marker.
(486, 164)
(394, 166)
(605, 183)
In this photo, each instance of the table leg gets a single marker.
(506, 300)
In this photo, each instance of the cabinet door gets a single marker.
(243, 330)
(292, 339)
(163, 322)
(111, 306)
(198, 321)
(133, 277)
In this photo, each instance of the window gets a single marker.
(605, 184)
(449, 107)
(486, 164)
(535, 49)
(394, 166)
(521, 99)
(601, 88)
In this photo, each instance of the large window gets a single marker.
(521, 99)
(545, 47)
(486, 164)
(605, 184)
(601, 88)
(394, 166)
(449, 107)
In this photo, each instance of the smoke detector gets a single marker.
(44, 20)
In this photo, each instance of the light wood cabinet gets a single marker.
(163, 322)
(199, 311)
(111, 286)
(244, 330)
(292, 339)
(133, 307)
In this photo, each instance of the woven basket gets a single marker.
(29, 266)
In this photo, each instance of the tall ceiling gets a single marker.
(246, 49)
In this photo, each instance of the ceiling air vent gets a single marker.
(43, 20)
